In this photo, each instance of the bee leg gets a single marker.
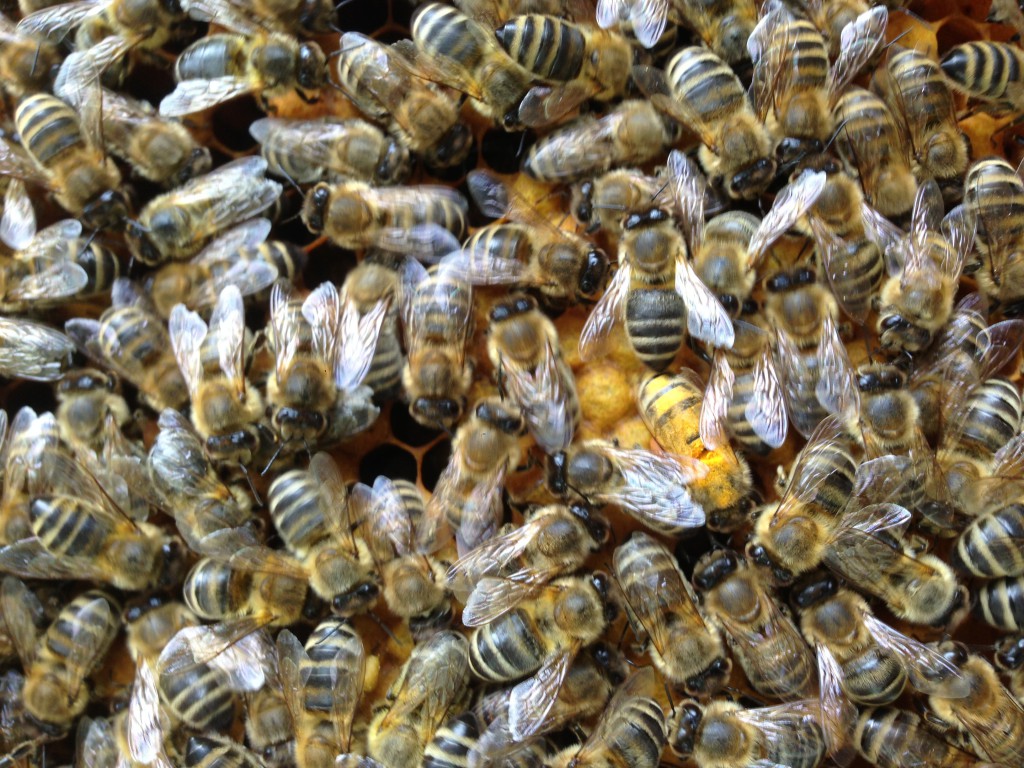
(307, 99)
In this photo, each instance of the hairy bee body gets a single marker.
(216, 589)
(987, 70)
(917, 91)
(895, 738)
(995, 194)
(739, 155)
(1000, 602)
(213, 752)
(870, 144)
(85, 183)
(366, 285)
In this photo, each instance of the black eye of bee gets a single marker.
(779, 282)
(804, 276)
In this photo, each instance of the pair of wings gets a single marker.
(342, 339)
(226, 330)
(33, 351)
(395, 528)
(342, 662)
(442, 293)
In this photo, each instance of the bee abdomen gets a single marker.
(645, 734)
(200, 698)
(989, 546)
(874, 678)
(295, 507)
(451, 744)
(49, 128)
(213, 56)
(83, 616)
(654, 324)
(505, 649)
(1001, 603)
(994, 414)
(442, 29)
(550, 48)
(984, 68)
(66, 527)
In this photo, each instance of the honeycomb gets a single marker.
(400, 447)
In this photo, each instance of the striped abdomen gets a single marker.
(638, 734)
(995, 194)
(808, 56)
(199, 696)
(801, 746)
(49, 128)
(654, 325)
(335, 654)
(101, 265)
(132, 334)
(506, 649)
(213, 589)
(222, 55)
(1001, 603)
(549, 47)
(874, 677)
(452, 743)
(986, 70)
(886, 736)
(298, 510)
(405, 209)
(442, 323)
(707, 84)
(443, 31)
(923, 91)
(856, 274)
(990, 546)
(67, 526)
(92, 614)
(990, 419)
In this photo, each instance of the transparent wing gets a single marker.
(859, 41)
(57, 280)
(34, 351)
(21, 612)
(929, 671)
(653, 487)
(492, 557)
(358, 338)
(790, 205)
(493, 597)
(706, 318)
(606, 313)
(87, 645)
(714, 411)
(285, 323)
(546, 104)
(690, 190)
(810, 470)
(196, 95)
(836, 388)
(188, 330)
(766, 411)
(543, 396)
(236, 648)
(533, 698)
(145, 735)
(59, 20)
(18, 223)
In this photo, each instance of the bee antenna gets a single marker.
(272, 459)
(668, 695)
(383, 626)
(248, 479)
(288, 177)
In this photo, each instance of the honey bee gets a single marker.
(720, 257)
(764, 640)
(431, 684)
(437, 317)
(603, 202)
(224, 66)
(179, 224)
(322, 351)
(658, 295)
(464, 739)
(1000, 603)
(588, 685)
(527, 250)
(686, 421)
(988, 71)
(463, 54)
(256, 583)
(631, 133)
(647, 21)
(79, 531)
(66, 153)
(484, 450)
(915, 89)
(795, 87)
(831, 17)
(322, 684)
(631, 731)
(308, 151)
(239, 258)
(523, 347)
(736, 151)
(424, 221)
(580, 62)
(494, 13)
(86, 397)
(850, 237)
(268, 721)
(661, 607)
(210, 515)
(873, 148)
(988, 546)
(724, 733)
(27, 63)
(405, 536)
(145, 23)
(365, 286)
(994, 193)
(202, 668)
(924, 270)
(540, 637)
(29, 437)
(212, 359)
(653, 488)
(504, 570)
(58, 661)
(218, 752)
(863, 658)
(308, 17)
(386, 87)
(895, 738)
(990, 718)
(304, 505)
(130, 339)
(756, 415)
(1007, 659)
